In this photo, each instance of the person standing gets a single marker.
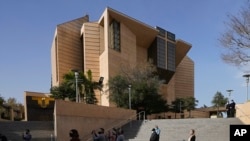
(232, 108)
(157, 131)
(228, 109)
(153, 136)
(27, 136)
(192, 136)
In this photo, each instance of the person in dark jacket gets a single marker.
(192, 136)
(74, 135)
(232, 108)
(153, 136)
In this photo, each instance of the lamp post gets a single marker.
(76, 76)
(229, 94)
(247, 81)
(129, 95)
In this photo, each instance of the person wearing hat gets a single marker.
(153, 136)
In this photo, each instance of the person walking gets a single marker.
(192, 136)
(27, 136)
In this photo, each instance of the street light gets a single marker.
(129, 96)
(247, 81)
(76, 76)
(229, 94)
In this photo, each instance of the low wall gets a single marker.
(86, 117)
(171, 115)
(243, 112)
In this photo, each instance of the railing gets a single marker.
(129, 120)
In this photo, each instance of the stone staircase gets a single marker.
(40, 130)
(214, 129)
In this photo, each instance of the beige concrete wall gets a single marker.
(66, 50)
(243, 112)
(182, 83)
(91, 49)
(127, 56)
(171, 115)
(184, 78)
(86, 117)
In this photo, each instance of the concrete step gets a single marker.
(178, 129)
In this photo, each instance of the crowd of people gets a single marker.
(100, 135)
(230, 107)
(112, 135)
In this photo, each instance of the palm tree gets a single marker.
(67, 89)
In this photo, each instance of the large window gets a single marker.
(171, 56)
(161, 53)
(114, 35)
(162, 32)
(170, 36)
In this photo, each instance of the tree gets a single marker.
(1, 100)
(219, 101)
(63, 91)
(189, 104)
(177, 106)
(236, 39)
(67, 89)
(144, 91)
(9, 104)
(1, 105)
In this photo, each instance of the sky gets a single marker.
(27, 29)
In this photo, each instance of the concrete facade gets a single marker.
(243, 112)
(105, 49)
(87, 117)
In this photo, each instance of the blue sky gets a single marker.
(27, 29)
